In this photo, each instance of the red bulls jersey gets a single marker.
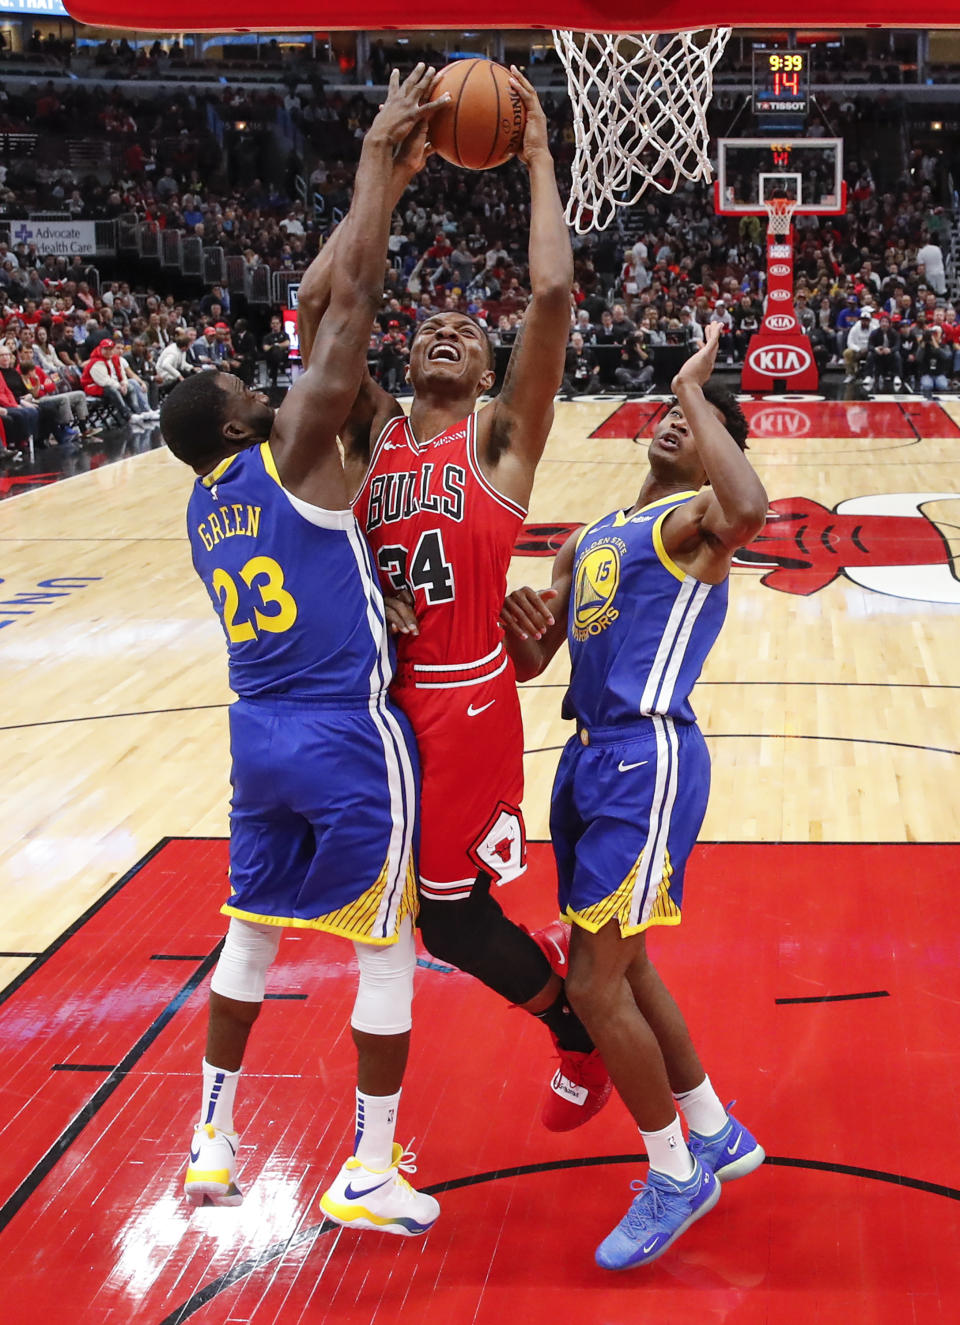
(438, 528)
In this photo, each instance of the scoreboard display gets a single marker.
(781, 83)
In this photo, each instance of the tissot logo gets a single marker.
(779, 295)
(779, 269)
(780, 322)
(780, 360)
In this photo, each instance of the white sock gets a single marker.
(376, 1123)
(667, 1151)
(219, 1089)
(702, 1109)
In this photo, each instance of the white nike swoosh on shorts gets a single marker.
(472, 712)
(625, 768)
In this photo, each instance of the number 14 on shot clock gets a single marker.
(781, 82)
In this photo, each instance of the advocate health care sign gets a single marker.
(63, 239)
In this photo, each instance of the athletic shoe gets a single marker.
(581, 1084)
(868, 384)
(897, 383)
(380, 1199)
(579, 1089)
(212, 1171)
(554, 942)
(732, 1153)
(663, 1209)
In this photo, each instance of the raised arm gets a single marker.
(514, 428)
(305, 431)
(373, 406)
(703, 535)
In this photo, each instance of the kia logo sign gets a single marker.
(779, 294)
(780, 322)
(780, 360)
(780, 269)
(780, 421)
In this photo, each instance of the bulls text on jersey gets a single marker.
(397, 496)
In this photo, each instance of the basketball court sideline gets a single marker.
(814, 959)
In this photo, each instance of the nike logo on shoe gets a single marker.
(649, 1246)
(732, 1150)
(625, 768)
(194, 1156)
(352, 1195)
(472, 712)
(561, 955)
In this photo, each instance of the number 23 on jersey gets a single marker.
(261, 606)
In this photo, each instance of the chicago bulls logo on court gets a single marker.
(885, 543)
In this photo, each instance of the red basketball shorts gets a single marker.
(470, 740)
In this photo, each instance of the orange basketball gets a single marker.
(483, 125)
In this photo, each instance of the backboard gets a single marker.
(809, 171)
(169, 16)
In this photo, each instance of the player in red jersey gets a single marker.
(442, 497)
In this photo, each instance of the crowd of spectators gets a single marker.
(871, 286)
(73, 363)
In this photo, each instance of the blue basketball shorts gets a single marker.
(625, 813)
(323, 817)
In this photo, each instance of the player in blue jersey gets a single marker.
(324, 766)
(641, 594)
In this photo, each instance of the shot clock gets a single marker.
(781, 83)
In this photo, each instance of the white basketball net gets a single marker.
(780, 215)
(639, 115)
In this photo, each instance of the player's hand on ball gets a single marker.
(535, 137)
(697, 369)
(525, 612)
(405, 106)
(413, 152)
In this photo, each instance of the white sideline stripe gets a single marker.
(459, 667)
(649, 696)
(454, 685)
(664, 796)
(700, 596)
(400, 780)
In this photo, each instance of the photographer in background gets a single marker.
(635, 373)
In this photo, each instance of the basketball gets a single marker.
(483, 125)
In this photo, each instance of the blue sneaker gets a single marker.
(662, 1210)
(732, 1153)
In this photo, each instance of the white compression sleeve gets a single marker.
(385, 988)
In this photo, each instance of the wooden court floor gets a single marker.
(818, 957)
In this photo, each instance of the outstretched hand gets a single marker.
(535, 136)
(406, 106)
(697, 369)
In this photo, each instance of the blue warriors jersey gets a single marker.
(294, 587)
(640, 628)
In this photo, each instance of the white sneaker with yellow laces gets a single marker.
(380, 1199)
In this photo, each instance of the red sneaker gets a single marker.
(581, 1085)
(554, 942)
(580, 1088)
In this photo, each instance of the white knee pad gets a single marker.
(248, 951)
(385, 990)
